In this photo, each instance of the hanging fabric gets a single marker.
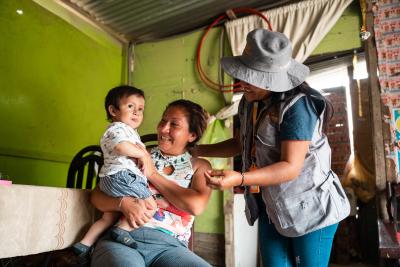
(305, 23)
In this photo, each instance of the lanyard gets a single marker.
(253, 143)
(254, 188)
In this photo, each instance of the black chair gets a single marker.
(149, 140)
(87, 162)
(90, 160)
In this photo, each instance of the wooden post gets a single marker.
(375, 102)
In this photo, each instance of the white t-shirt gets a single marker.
(117, 132)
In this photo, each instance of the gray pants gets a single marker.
(155, 248)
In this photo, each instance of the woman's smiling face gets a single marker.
(173, 131)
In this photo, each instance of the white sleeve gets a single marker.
(116, 134)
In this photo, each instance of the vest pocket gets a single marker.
(299, 210)
(267, 133)
(339, 198)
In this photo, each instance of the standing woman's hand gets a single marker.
(222, 179)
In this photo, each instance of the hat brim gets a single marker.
(281, 81)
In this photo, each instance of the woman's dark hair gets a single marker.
(196, 116)
(117, 93)
(316, 98)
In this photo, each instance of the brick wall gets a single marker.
(338, 129)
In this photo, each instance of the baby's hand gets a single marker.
(139, 159)
(145, 163)
(141, 165)
(147, 166)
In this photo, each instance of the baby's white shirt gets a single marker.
(117, 132)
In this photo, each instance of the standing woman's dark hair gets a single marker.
(319, 102)
(196, 116)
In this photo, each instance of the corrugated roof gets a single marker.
(146, 20)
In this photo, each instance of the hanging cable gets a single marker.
(364, 34)
(213, 85)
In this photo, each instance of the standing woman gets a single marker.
(285, 154)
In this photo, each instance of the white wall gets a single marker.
(245, 236)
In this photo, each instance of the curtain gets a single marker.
(305, 23)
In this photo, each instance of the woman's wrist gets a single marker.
(121, 199)
(152, 175)
(125, 203)
(242, 179)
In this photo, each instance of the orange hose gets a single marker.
(213, 85)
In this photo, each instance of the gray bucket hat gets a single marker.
(267, 62)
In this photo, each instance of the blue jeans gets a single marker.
(155, 248)
(310, 250)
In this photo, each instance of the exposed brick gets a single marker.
(337, 131)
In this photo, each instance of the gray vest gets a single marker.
(311, 201)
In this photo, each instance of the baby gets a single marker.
(121, 174)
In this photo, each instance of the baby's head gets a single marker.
(125, 104)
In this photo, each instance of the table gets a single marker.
(35, 219)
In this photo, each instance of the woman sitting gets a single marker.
(181, 190)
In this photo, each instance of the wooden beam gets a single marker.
(229, 228)
(210, 247)
(375, 102)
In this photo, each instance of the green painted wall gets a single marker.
(53, 79)
(345, 34)
(166, 71)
